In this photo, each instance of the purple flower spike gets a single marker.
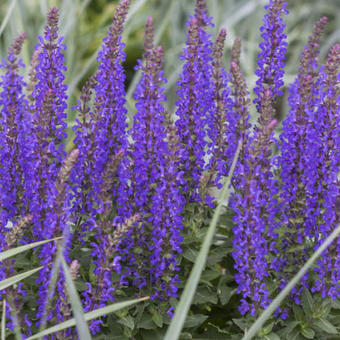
(272, 55)
(254, 213)
(16, 146)
(100, 133)
(297, 162)
(223, 132)
(48, 107)
(15, 156)
(195, 104)
(323, 187)
(147, 251)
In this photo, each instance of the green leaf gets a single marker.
(296, 248)
(157, 318)
(308, 333)
(307, 303)
(185, 336)
(210, 275)
(155, 334)
(335, 304)
(325, 325)
(225, 293)
(77, 309)
(267, 329)
(17, 278)
(195, 320)
(272, 336)
(14, 251)
(241, 323)
(88, 316)
(81, 286)
(217, 329)
(295, 335)
(290, 326)
(127, 321)
(146, 322)
(190, 255)
(257, 325)
(298, 314)
(216, 256)
(204, 295)
(326, 307)
(176, 325)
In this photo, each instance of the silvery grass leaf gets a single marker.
(17, 278)
(88, 316)
(14, 251)
(77, 309)
(7, 17)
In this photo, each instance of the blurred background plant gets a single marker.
(84, 23)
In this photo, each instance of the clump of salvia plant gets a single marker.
(134, 201)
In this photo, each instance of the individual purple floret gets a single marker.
(195, 103)
(273, 49)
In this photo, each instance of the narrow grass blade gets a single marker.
(135, 8)
(11, 252)
(16, 278)
(7, 16)
(277, 301)
(17, 330)
(51, 289)
(77, 309)
(3, 321)
(88, 317)
(183, 306)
